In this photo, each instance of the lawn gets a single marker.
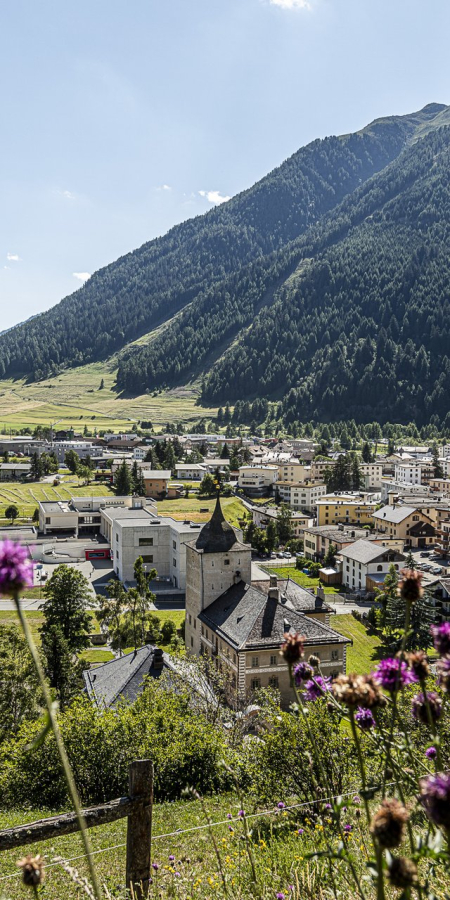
(96, 656)
(35, 618)
(25, 495)
(364, 653)
(189, 508)
(299, 577)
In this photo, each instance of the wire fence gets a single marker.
(178, 832)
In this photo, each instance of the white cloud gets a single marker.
(166, 187)
(13, 257)
(82, 276)
(68, 195)
(291, 4)
(214, 196)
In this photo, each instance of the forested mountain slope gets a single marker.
(202, 260)
(362, 328)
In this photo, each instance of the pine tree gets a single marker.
(357, 479)
(61, 667)
(123, 481)
(36, 470)
(366, 453)
(438, 470)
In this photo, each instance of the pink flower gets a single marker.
(16, 567)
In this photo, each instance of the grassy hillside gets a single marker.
(27, 495)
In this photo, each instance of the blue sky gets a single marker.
(120, 118)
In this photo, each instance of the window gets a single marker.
(146, 558)
(174, 563)
(255, 662)
(334, 654)
(190, 619)
(273, 660)
(174, 545)
(145, 542)
(226, 562)
(206, 634)
(379, 568)
(255, 684)
(48, 520)
(273, 681)
(195, 623)
(117, 554)
(192, 641)
(117, 536)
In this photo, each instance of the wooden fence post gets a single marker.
(139, 830)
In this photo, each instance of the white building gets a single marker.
(408, 472)
(365, 564)
(82, 515)
(256, 481)
(301, 496)
(372, 474)
(190, 471)
(293, 472)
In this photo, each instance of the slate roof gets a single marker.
(364, 551)
(294, 596)
(122, 678)
(217, 536)
(247, 618)
(394, 514)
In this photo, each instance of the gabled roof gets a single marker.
(365, 551)
(123, 678)
(394, 514)
(248, 618)
(217, 536)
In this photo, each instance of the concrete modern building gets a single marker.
(81, 515)
(238, 626)
(258, 481)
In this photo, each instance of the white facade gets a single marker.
(82, 513)
(408, 473)
(190, 471)
(372, 562)
(257, 480)
(372, 474)
(302, 495)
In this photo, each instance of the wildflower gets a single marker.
(302, 672)
(229, 816)
(356, 799)
(241, 813)
(316, 688)
(155, 866)
(347, 829)
(32, 867)
(16, 570)
(435, 798)
(409, 587)
(402, 872)
(364, 719)
(281, 805)
(441, 638)
(418, 662)
(314, 661)
(290, 887)
(388, 823)
(328, 806)
(443, 673)
(280, 896)
(171, 858)
(292, 649)
(393, 674)
(421, 710)
(431, 753)
(177, 874)
(358, 690)
(300, 831)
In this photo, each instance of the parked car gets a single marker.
(436, 570)
(425, 553)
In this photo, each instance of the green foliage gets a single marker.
(20, 695)
(284, 527)
(11, 512)
(72, 461)
(63, 671)
(123, 482)
(68, 594)
(207, 486)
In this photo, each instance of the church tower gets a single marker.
(214, 562)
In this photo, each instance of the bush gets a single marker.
(168, 630)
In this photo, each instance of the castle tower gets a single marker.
(214, 562)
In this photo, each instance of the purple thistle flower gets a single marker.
(280, 896)
(421, 709)
(241, 813)
(302, 672)
(155, 866)
(431, 753)
(171, 858)
(441, 638)
(393, 674)
(229, 816)
(364, 719)
(435, 798)
(300, 831)
(315, 689)
(356, 799)
(347, 828)
(328, 806)
(281, 805)
(16, 568)
(230, 828)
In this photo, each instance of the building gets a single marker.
(262, 515)
(190, 471)
(408, 472)
(318, 539)
(156, 482)
(364, 564)
(80, 515)
(14, 471)
(304, 495)
(238, 626)
(440, 486)
(293, 472)
(348, 508)
(372, 474)
(257, 481)
(81, 448)
(124, 678)
(407, 523)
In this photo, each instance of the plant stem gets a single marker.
(60, 746)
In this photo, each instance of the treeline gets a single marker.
(147, 287)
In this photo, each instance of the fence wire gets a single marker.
(157, 837)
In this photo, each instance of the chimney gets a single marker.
(237, 576)
(391, 498)
(320, 595)
(158, 659)
(274, 593)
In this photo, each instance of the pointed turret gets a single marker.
(217, 536)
